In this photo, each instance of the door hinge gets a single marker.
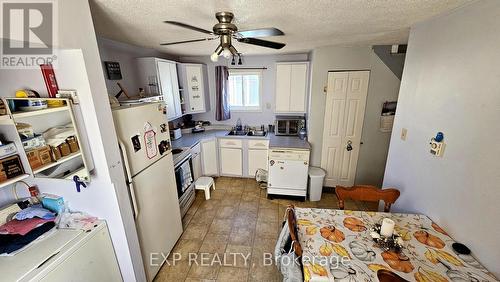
(325, 89)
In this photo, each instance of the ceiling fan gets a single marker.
(226, 31)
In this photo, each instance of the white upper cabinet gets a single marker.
(291, 87)
(159, 77)
(194, 88)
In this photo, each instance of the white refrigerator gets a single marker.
(144, 139)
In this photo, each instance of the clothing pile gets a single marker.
(24, 227)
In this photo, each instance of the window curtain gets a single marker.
(222, 111)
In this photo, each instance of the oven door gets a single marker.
(183, 175)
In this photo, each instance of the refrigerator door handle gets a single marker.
(131, 189)
(134, 200)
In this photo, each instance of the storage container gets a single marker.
(73, 144)
(10, 167)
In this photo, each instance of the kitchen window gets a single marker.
(245, 90)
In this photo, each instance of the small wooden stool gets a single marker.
(204, 183)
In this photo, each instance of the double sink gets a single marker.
(256, 133)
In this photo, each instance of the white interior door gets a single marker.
(344, 114)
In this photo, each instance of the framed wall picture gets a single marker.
(113, 70)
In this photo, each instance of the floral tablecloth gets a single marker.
(337, 246)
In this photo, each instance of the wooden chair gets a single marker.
(367, 193)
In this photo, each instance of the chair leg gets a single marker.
(207, 193)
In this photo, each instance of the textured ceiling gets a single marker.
(306, 23)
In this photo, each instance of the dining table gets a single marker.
(337, 245)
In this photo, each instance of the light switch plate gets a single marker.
(404, 132)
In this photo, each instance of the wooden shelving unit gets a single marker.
(58, 162)
(42, 120)
(18, 115)
(14, 180)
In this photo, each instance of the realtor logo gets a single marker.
(28, 33)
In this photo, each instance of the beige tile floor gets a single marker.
(238, 219)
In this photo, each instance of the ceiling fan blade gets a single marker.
(187, 41)
(189, 27)
(263, 43)
(260, 32)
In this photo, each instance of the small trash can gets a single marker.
(316, 176)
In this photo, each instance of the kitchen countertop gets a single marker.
(191, 139)
(286, 142)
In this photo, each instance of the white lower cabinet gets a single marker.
(257, 158)
(209, 163)
(197, 167)
(231, 161)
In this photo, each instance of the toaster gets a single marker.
(175, 133)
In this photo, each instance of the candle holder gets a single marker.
(391, 243)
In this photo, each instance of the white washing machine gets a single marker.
(288, 170)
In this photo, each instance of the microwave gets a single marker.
(288, 125)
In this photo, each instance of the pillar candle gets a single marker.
(387, 227)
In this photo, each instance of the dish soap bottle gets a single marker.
(238, 125)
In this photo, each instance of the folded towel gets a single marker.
(22, 227)
(34, 211)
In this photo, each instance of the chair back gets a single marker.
(367, 193)
(389, 276)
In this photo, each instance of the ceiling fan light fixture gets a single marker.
(239, 59)
(215, 55)
(226, 53)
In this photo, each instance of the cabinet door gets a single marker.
(283, 76)
(194, 77)
(256, 159)
(165, 79)
(298, 89)
(175, 90)
(209, 157)
(231, 161)
(197, 166)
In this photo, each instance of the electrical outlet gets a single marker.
(437, 148)
(404, 132)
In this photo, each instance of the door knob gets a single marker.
(349, 146)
